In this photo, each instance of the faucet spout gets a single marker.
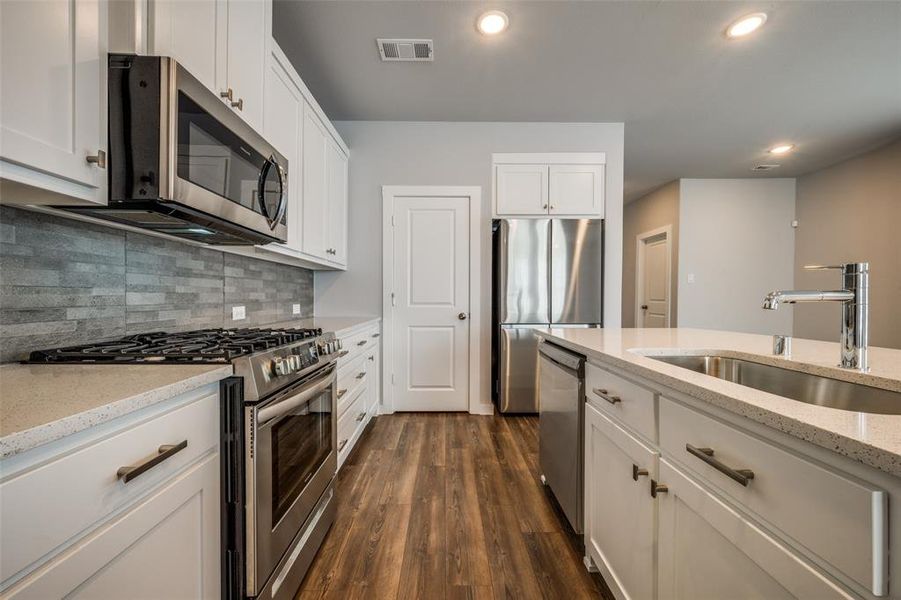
(774, 299)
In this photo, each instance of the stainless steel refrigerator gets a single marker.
(546, 273)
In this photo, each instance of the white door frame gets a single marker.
(389, 194)
(667, 231)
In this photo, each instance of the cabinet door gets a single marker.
(247, 36)
(166, 546)
(283, 127)
(53, 90)
(521, 189)
(708, 550)
(314, 217)
(193, 32)
(576, 190)
(336, 166)
(619, 509)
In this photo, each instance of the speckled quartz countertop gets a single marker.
(872, 439)
(335, 324)
(43, 403)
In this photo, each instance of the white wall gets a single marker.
(458, 153)
(737, 241)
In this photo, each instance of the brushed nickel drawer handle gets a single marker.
(658, 488)
(375, 335)
(361, 416)
(361, 343)
(343, 353)
(742, 476)
(372, 358)
(239, 104)
(605, 395)
(165, 452)
(341, 445)
(341, 393)
(98, 159)
(638, 472)
(361, 375)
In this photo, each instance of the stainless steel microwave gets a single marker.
(183, 162)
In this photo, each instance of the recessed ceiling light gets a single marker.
(745, 25)
(782, 149)
(492, 22)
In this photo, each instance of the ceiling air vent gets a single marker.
(406, 50)
(765, 167)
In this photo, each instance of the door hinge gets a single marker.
(393, 222)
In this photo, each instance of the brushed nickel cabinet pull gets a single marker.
(372, 358)
(361, 343)
(165, 452)
(375, 335)
(606, 396)
(361, 416)
(361, 374)
(341, 393)
(227, 94)
(742, 476)
(343, 353)
(341, 445)
(658, 488)
(98, 159)
(239, 104)
(638, 472)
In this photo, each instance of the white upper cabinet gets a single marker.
(220, 42)
(53, 98)
(283, 128)
(315, 185)
(336, 171)
(521, 189)
(192, 31)
(249, 28)
(576, 190)
(561, 184)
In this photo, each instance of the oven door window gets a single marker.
(301, 441)
(211, 156)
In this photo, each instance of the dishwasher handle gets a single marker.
(558, 355)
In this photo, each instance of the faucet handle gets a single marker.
(823, 267)
(853, 268)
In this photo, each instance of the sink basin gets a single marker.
(812, 389)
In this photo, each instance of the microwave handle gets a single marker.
(282, 407)
(283, 203)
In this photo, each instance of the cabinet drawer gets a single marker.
(350, 377)
(45, 508)
(839, 518)
(360, 341)
(349, 422)
(632, 404)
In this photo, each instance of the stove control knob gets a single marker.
(281, 367)
(296, 363)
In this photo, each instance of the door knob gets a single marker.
(462, 316)
(644, 307)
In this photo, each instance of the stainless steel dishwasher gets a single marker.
(561, 417)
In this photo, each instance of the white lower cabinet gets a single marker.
(167, 546)
(359, 389)
(74, 527)
(619, 515)
(709, 550)
(738, 511)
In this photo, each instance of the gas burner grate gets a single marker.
(201, 346)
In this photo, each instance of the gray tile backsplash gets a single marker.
(64, 282)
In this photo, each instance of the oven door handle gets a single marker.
(282, 407)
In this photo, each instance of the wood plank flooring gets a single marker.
(448, 506)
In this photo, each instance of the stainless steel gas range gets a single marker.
(279, 442)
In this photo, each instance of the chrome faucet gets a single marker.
(855, 318)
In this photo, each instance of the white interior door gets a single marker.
(431, 312)
(653, 280)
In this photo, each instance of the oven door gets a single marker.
(294, 458)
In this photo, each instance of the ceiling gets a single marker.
(825, 75)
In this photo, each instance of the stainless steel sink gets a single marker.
(812, 389)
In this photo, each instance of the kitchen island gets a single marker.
(700, 487)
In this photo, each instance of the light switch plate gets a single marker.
(295, 309)
(238, 313)
(691, 278)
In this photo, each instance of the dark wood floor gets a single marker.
(447, 506)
